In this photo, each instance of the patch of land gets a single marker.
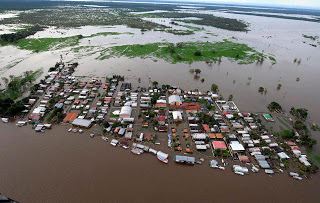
(187, 52)
(46, 44)
(81, 16)
(202, 19)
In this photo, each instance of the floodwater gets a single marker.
(57, 166)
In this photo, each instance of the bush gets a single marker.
(197, 53)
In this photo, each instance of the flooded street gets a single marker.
(58, 166)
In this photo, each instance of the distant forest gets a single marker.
(22, 34)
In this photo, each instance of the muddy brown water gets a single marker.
(57, 166)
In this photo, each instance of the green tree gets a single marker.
(214, 88)
(197, 71)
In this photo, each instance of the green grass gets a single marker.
(184, 52)
(310, 153)
(107, 34)
(46, 44)
(283, 123)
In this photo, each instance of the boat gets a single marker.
(5, 120)
(80, 131)
(221, 168)
(162, 157)
(136, 151)
(70, 129)
(268, 171)
(114, 142)
(239, 173)
(105, 138)
(293, 174)
(91, 135)
(213, 164)
(255, 169)
(297, 177)
(124, 145)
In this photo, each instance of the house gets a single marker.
(235, 146)
(175, 100)
(219, 145)
(148, 137)
(162, 120)
(70, 117)
(163, 129)
(82, 122)
(184, 159)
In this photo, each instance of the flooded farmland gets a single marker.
(57, 166)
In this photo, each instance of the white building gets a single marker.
(125, 112)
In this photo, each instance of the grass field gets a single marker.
(185, 52)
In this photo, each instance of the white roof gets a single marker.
(199, 136)
(177, 115)
(174, 98)
(283, 155)
(236, 146)
(203, 147)
(161, 101)
(82, 122)
(126, 110)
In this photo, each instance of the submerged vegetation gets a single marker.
(22, 34)
(274, 106)
(187, 52)
(17, 85)
(301, 113)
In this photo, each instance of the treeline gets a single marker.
(10, 108)
(207, 20)
(14, 37)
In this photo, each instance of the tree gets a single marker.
(279, 86)
(214, 87)
(5, 80)
(197, 71)
(197, 53)
(202, 80)
(155, 84)
(106, 124)
(274, 106)
(261, 90)
(230, 97)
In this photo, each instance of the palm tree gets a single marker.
(155, 84)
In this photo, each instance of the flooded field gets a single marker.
(90, 170)
(57, 161)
